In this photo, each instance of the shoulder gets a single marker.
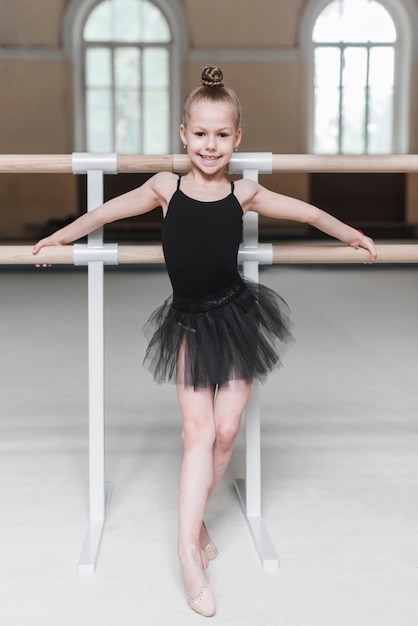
(163, 185)
(163, 180)
(246, 192)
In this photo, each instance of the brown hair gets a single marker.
(213, 88)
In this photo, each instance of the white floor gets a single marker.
(340, 461)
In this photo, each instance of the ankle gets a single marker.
(188, 553)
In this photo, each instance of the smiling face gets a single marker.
(210, 134)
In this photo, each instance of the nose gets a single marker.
(211, 142)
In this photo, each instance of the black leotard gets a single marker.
(227, 327)
(200, 242)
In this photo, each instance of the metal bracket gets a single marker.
(107, 254)
(261, 253)
(83, 162)
(261, 162)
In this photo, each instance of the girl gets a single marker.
(217, 333)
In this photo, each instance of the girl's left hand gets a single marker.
(43, 243)
(368, 244)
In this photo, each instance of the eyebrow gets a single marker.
(196, 126)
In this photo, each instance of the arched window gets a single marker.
(127, 78)
(354, 78)
(360, 72)
(126, 56)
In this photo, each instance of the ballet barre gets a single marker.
(280, 254)
(63, 163)
(96, 254)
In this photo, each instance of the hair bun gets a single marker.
(212, 77)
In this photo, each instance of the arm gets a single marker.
(275, 205)
(136, 202)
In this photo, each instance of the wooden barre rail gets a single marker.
(62, 163)
(282, 254)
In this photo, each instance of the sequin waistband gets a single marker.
(209, 303)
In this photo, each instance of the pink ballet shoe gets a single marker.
(210, 551)
(204, 602)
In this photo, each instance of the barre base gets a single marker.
(90, 550)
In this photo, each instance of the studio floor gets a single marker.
(339, 459)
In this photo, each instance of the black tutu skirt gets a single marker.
(236, 334)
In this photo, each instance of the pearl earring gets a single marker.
(184, 147)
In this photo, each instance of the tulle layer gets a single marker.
(239, 334)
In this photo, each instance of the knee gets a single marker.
(226, 432)
(198, 433)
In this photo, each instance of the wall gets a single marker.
(243, 23)
(264, 65)
(35, 114)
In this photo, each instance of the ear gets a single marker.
(183, 134)
(238, 137)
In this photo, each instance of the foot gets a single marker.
(199, 592)
(204, 602)
(209, 550)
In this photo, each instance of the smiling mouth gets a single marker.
(209, 158)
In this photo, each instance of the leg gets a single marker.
(196, 478)
(229, 406)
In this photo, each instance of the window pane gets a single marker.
(99, 116)
(328, 24)
(327, 99)
(380, 126)
(326, 122)
(382, 67)
(380, 24)
(156, 67)
(126, 19)
(154, 26)
(327, 67)
(127, 121)
(354, 68)
(98, 67)
(353, 129)
(354, 21)
(353, 139)
(156, 122)
(98, 27)
(127, 67)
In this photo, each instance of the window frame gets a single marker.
(74, 21)
(405, 17)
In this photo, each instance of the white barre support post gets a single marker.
(251, 255)
(95, 254)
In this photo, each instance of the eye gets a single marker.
(223, 135)
(199, 134)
